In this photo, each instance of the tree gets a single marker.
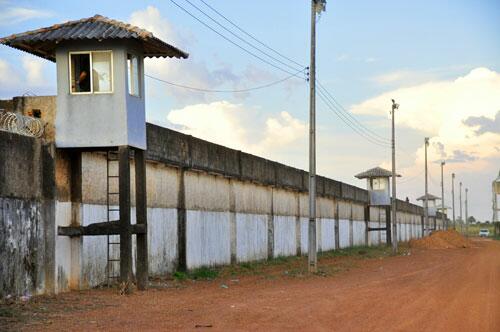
(472, 220)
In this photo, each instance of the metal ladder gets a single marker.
(113, 214)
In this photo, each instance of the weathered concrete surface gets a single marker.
(26, 215)
(21, 247)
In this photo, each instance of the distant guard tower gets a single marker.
(378, 186)
(100, 106)
(431, 207)
(495, 193)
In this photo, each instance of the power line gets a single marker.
(250, 35)
(379, 137)
(226, 91)
(347, 121)
(230, 40)
(243, 40)
(411, 178)
(325, 95)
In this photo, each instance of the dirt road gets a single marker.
(429, 290)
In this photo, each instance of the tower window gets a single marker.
(133, 75)
(91, 72)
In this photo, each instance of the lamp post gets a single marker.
(442, 198)
(393, 200)
(317, 6)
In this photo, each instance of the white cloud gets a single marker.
(238, 127)
(150, 19)
(8, 76)
(15, 15)
(190, 72)
(440, 108)
(34, 71)
(458, 116)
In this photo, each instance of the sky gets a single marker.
(440, 60)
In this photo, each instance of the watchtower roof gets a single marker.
(430, 197)
(376, 172)
(43, 42)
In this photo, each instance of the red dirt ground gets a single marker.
(429, 290)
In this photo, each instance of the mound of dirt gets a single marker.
(441, 240)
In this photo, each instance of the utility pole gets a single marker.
(466, 213)
(426, 203)
(442, 198)
(453, 197)
(460, 217)
(393, 201)
(317, 6)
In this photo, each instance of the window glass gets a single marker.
(80, 73)
(378, 184)
(133, 74)
(101, 71)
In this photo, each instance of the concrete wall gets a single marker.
(207, 205)
(26, 215)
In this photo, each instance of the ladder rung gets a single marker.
(113, 176)
(114, 243)
(113, 209)
(113, 277)
(113, 193)
(113, 260)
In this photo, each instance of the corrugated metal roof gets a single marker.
(43, 42)
(376, 172)
(430, 197)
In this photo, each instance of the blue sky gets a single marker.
(366, 49)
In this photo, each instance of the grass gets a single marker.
(330, 262)
(474, 229)
(204, 273)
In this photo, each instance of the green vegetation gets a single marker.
(330, 262)
(474, 229)
(204, 273)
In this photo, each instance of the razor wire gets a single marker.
(20, 124)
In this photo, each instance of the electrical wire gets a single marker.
(347, 121)
(365, 128)
(332, 103)
(230, 40)
(227, 91)
(250, 35)
(243, 40)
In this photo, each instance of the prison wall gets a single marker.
(208, 205)
(26, 215)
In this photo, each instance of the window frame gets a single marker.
(91, 73)
(138, 95)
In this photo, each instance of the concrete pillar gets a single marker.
(270, 228)
(298, 238)
(336, 216)
(232, 221)
(76, 219)
(181, 223)
(351, 228)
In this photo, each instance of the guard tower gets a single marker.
(378, 186)
(495, 193)
(431, 206)
(100, 106)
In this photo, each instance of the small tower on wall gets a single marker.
(378, 186)
(101, 106)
